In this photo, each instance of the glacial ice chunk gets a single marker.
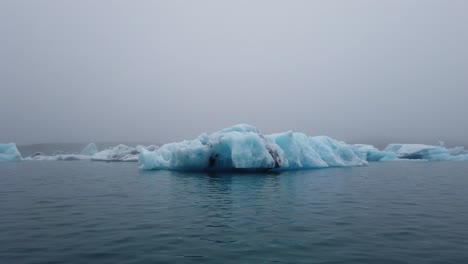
(150, 147)
(371, 153)
(90, 149)
(9, 152)
(428, 152)
(301, 151)
(118, 153)
(244, 147)
(240, 147)
(60, 157)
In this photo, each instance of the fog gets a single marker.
(162, 71)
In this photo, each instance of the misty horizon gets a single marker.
(78, 145)
(164, 71)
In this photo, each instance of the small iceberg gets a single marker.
(427, 152)
(122, 153)
(60, 157)
(89, 150)
(244, 147)
(9, 152)
(117, 153)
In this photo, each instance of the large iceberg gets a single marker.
(244, 147)
(9, 152)
(427, 152)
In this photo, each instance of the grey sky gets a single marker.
(160, 71)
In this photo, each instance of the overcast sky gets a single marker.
(162, 71)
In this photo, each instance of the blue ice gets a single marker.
(90, 149)
(244, 147)
(371, 153)
(9, 152)
(427, 152)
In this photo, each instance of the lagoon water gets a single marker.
(92, 212)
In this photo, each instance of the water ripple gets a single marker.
(112, 213)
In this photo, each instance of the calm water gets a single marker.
(90, 212)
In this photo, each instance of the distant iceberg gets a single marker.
(427, 152)
(9, 152)
(244, 147)
(90, 152)
(117, 153)
(84, 155)
(60, 157)
(90, 149)
(122, 153)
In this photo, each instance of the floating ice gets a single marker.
(85, 155)
(61, 157)
(150, 148)
(427, 152)
(371, 153)
(90, 149)
(302, 151)
(9, 152)
(117, 153)
(243, 147)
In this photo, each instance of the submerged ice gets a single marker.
(244, 147)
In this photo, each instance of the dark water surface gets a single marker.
(91, 212)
